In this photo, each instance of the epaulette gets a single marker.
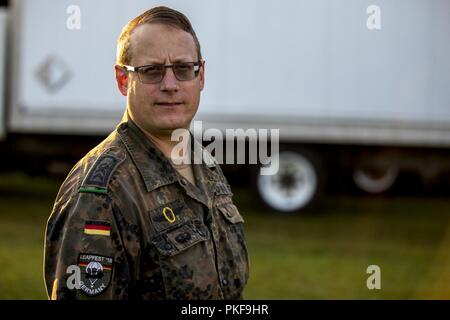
(97, 179)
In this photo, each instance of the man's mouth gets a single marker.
(168, 104)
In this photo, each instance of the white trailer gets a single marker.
(346, 82)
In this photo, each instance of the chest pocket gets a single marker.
(175, 241)
(169, 215)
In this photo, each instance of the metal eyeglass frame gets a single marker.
(197, 65)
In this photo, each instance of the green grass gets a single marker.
(309, 256)
(25, 204)
(325, 256)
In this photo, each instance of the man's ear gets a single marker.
(202, 75)
(121, 79)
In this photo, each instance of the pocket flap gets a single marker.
(174, 241)
(231, 213)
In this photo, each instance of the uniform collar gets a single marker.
(155, 169)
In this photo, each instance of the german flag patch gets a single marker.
(97, 228)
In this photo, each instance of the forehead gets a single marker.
(158, 43)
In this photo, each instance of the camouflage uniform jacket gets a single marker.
(137, 229)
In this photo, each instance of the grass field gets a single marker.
(314, 256)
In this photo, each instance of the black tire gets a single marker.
(373, 181)
(298, 185)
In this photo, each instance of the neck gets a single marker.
(166, 145)
(163, 141)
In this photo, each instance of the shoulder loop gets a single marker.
(97, 179)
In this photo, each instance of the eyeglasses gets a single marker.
(154, 73)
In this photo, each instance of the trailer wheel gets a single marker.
(295, 187)
(375, 180)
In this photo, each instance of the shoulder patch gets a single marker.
(96, 273)
(97, 179)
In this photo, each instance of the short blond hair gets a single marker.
(161, 15)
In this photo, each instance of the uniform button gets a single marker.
(225, 282)
(183, 182)
(200, 232)
(168, 246)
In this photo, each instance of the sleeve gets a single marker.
(84, 253)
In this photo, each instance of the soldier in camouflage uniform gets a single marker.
(133, 223)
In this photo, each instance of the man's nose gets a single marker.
(169, 81)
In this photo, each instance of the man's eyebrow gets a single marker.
(183, 59)
(149, 62)
(177, 60)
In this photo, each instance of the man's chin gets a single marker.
(169, 128)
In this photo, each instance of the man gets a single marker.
(135, 224)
